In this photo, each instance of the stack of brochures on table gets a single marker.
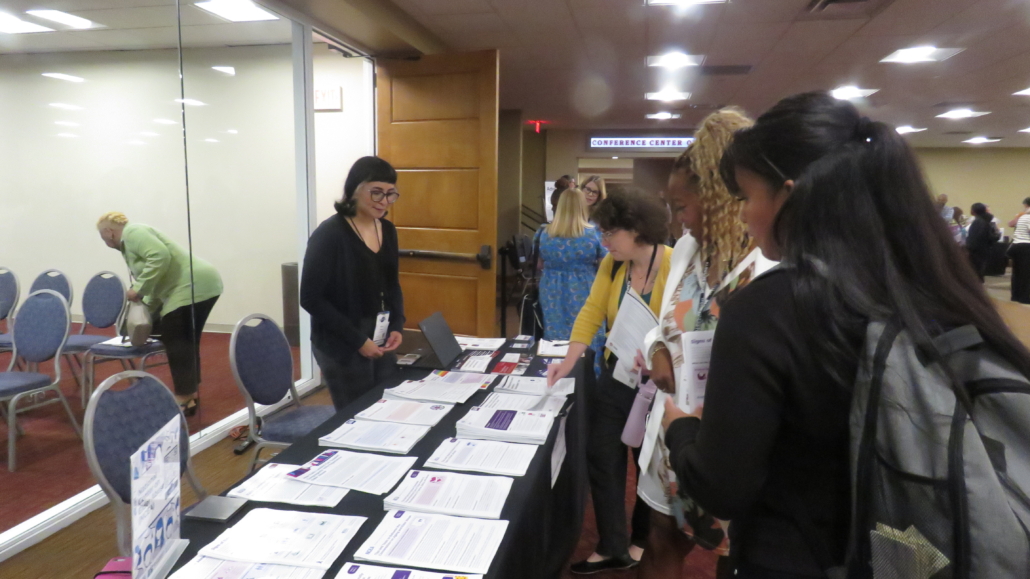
(377, 436)
(271, 485)
(433, 391)
(291, 538)
(358, 571)
(369, 473)
(201, 567)
(458, 544)
(405, 412)
(472, 343)
(535, 386)
(506, 401)
(487, 456)
(529, 427)
(553, 349)
(450, 493)
(450, 377)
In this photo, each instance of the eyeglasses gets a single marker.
(377, 195)
(590, 191)
(607, 235)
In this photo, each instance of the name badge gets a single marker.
(382, 325)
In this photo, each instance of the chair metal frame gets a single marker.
(13, 429)
(122, 510)
(254, 421)
(77, 359)
(9, 314)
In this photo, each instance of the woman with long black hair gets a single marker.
(842, 201)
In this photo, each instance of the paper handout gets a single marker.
(488, 456)
(376, 436)
(369, 473)
(506, 425)
(506, 401)
(358, 571)
(553, 349)
(271, 485)
(405, 412)
(533, 386)
(207, 568)
(450, 493)
(472, 343)
(440, 391)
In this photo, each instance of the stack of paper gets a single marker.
(207, 568)
(434, 542)
(475, 362)
(515, 364)
(368, 473)
(405, 412)
(357, 571)
(483, 380)
(450, 493)
(506, 425)
(271, 485)
(433, 391)
(553, 349)
(472, 343)
(483, 456)
(535, 386)
(381, 436)
(506, 401)
(312, 540)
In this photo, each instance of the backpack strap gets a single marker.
(961, 338)
(615, 269)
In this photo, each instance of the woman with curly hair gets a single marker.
(709, 263)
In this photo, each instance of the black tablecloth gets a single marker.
(544, 523)
(997, 259)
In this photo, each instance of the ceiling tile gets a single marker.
(523, 14)
(610, 14)
(446, 7)
(913, 17)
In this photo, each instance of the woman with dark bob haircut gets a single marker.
(633, 228)
(841, 200)
(350, 284)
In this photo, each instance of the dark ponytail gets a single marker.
(363, 170)
(861, 230)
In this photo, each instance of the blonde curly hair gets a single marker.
(113, 218)
(725, 234)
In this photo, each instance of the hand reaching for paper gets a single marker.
(672, 413)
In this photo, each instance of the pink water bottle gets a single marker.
(636, 424)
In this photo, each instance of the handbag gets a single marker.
(138, 324)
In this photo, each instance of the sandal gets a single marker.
(189, 407)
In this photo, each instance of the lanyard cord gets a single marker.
(706, 296)
(629, 272)
(375, 222)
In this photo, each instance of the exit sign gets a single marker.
(329, 99)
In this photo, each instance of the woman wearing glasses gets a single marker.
(593, 190)
(350, 284)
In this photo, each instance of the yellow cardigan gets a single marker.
(603, 303)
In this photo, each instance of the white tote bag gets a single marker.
(138, 323)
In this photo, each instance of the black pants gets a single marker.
(350, 378)
(1020, 254)
(978, 258)
(180, 331)
(608, 410)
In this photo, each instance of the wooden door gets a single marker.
(437, 125)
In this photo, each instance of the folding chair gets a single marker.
(40, 330)
(262, 364)
(8, 300)
(103, 301)
(53, 279)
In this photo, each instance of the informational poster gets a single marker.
(548, 189)
(155, 503)
(697, 355)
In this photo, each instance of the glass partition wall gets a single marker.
(195, 126)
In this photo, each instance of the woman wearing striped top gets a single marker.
(1019, 251)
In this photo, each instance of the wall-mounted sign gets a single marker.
(329, 99)
(640, 142)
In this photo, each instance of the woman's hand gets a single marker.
(661, 371)
(673, 412)
(393, 342)
(556, 372)
(370, 350)
(132, 296)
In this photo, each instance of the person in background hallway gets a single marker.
(947, 213)
(570, 249)
(563, 183)
(842, 200)
(982, 236)
(958, 226)
(715, 245)
(351, 286)
(1019, 251)
(161, 271)
(633, 227)
(593, 189)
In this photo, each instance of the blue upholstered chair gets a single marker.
(262, 363)
(117, 423)
(53, 279)
(40, 330)
(102, 303)
(8, 299)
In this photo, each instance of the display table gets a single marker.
(544, 522)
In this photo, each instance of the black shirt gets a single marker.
(980, 238)
(344, 285)
(775, 424)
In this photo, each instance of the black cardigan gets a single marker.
(774, 433)
(331, 290)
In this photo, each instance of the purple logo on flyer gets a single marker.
(501, 419)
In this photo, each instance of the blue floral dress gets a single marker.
(570, 265)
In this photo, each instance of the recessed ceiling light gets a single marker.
(1022, 93)
(906, 129)
(66, 123)
(675, 60)
(980, 140)
(211, 140)
(962, 114)
(668, 94)
(150, 134)
(66, 107)
(62, 76)
(165, 122)
(615, 158)
(191, 102)
(67, 135)
(231, 71)
(921, 54)
(232, 131)
(1026, 130)
(236, 10)
(663, 116)
(62, 18)
(11, 25)
(850, 92)
(683, 2)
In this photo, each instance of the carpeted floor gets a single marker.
(51, 460)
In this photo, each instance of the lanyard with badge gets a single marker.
(383, 317)
(632, 322)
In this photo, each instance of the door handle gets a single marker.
(484, 258)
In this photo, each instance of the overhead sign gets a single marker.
(640, 142)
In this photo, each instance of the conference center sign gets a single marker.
(640, 142)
